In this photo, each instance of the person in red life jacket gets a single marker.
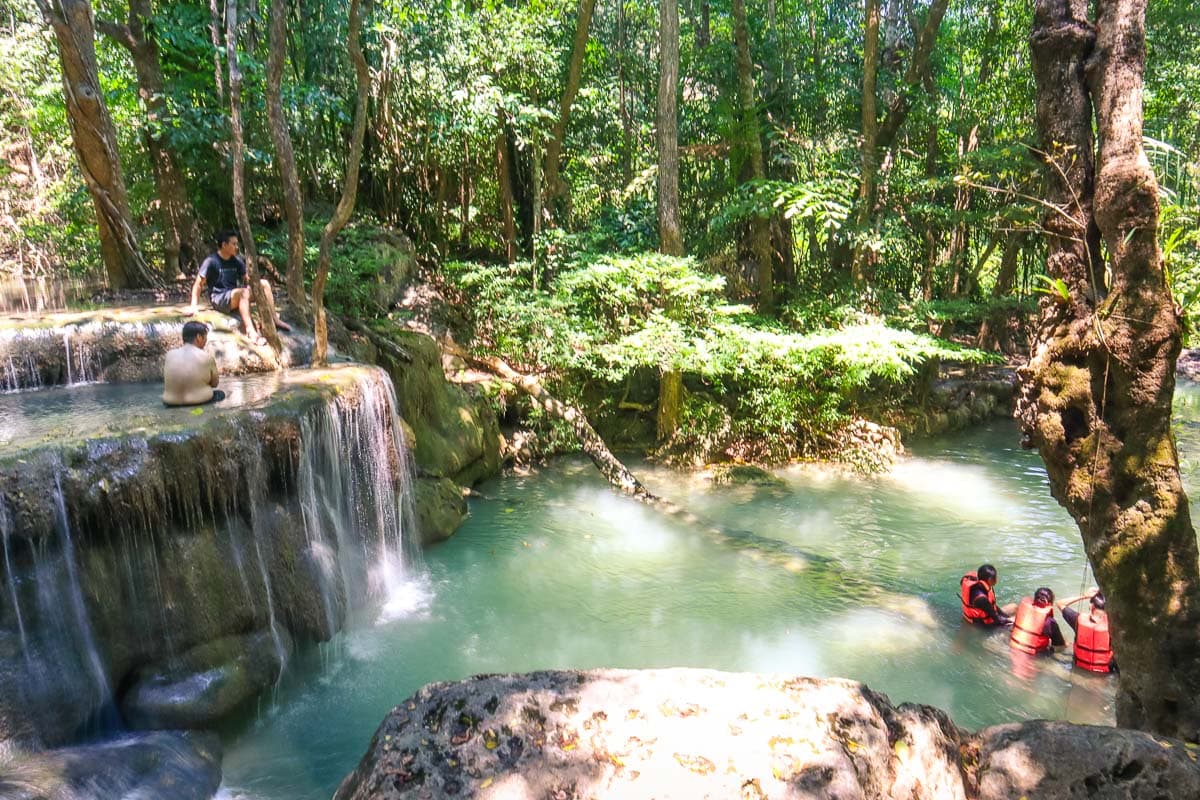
(979, 600)
(1034, 629)
(1093, 648)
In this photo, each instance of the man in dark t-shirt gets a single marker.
(225, 273)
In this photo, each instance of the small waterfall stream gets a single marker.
(280, 521)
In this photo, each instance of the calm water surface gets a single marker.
(556, 571)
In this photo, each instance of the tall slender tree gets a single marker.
(553, 187)
(880, 136)
(670, 239)
(1096, 396)
(263, 306)
(182, 242)
(95, 141)
(345, 206)
(285, 156)
(750, 151)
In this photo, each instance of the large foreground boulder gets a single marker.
(658, 733)
(180, 766)
(686, 733)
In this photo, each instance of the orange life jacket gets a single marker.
(1093, 651)
(971, 614)
(1027, 633)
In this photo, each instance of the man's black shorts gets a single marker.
(222, 300)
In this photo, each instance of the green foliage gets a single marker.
(765, 390)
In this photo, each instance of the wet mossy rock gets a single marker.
(179, 766)
(456, 435)
(207, 683)
(685, 733)
(396, 259)
(440, 508)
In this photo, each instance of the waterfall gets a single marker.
(143, 548)
(355, 475)
(10, 578)
(83, 625)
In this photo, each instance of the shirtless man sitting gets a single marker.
(225, 273)
(190, 373)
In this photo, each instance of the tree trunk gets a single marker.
(993, 331)
(878, 137)
(670, 239)
(214, 31)
(1096, 396)
(623, 92)
(553, 186)
(505, 182)
(182, 242)
(670, 403)
(293, 200)
(870, 133)
(345, 206)
(95, 141)
(266, 321)
(750, 144)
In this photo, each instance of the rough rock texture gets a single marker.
(397, 259)
(122, 345)
(661, 734)
(440, 508)
(179, 766)
(685, 733)
(457, 437)
(206, 683)
(958, 404)
(148, 544)
(1057, 760)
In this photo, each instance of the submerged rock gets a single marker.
(179, 766)
(689, 733)
(207, 683)
(678, 733)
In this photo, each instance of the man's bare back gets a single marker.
(189, 373)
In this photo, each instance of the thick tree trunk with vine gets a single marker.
(670, 239)
(751, 154)
(1096, 397)
(553, 187)
(262, 308)
(285, 156)
(182, 241)
(95, 141)
(345, 206)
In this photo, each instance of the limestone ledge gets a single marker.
(123, 345)
(689, 733)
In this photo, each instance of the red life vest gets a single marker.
(1027, 633)
(971, 614)
(1093, 650)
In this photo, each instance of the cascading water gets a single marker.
(126, 556)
